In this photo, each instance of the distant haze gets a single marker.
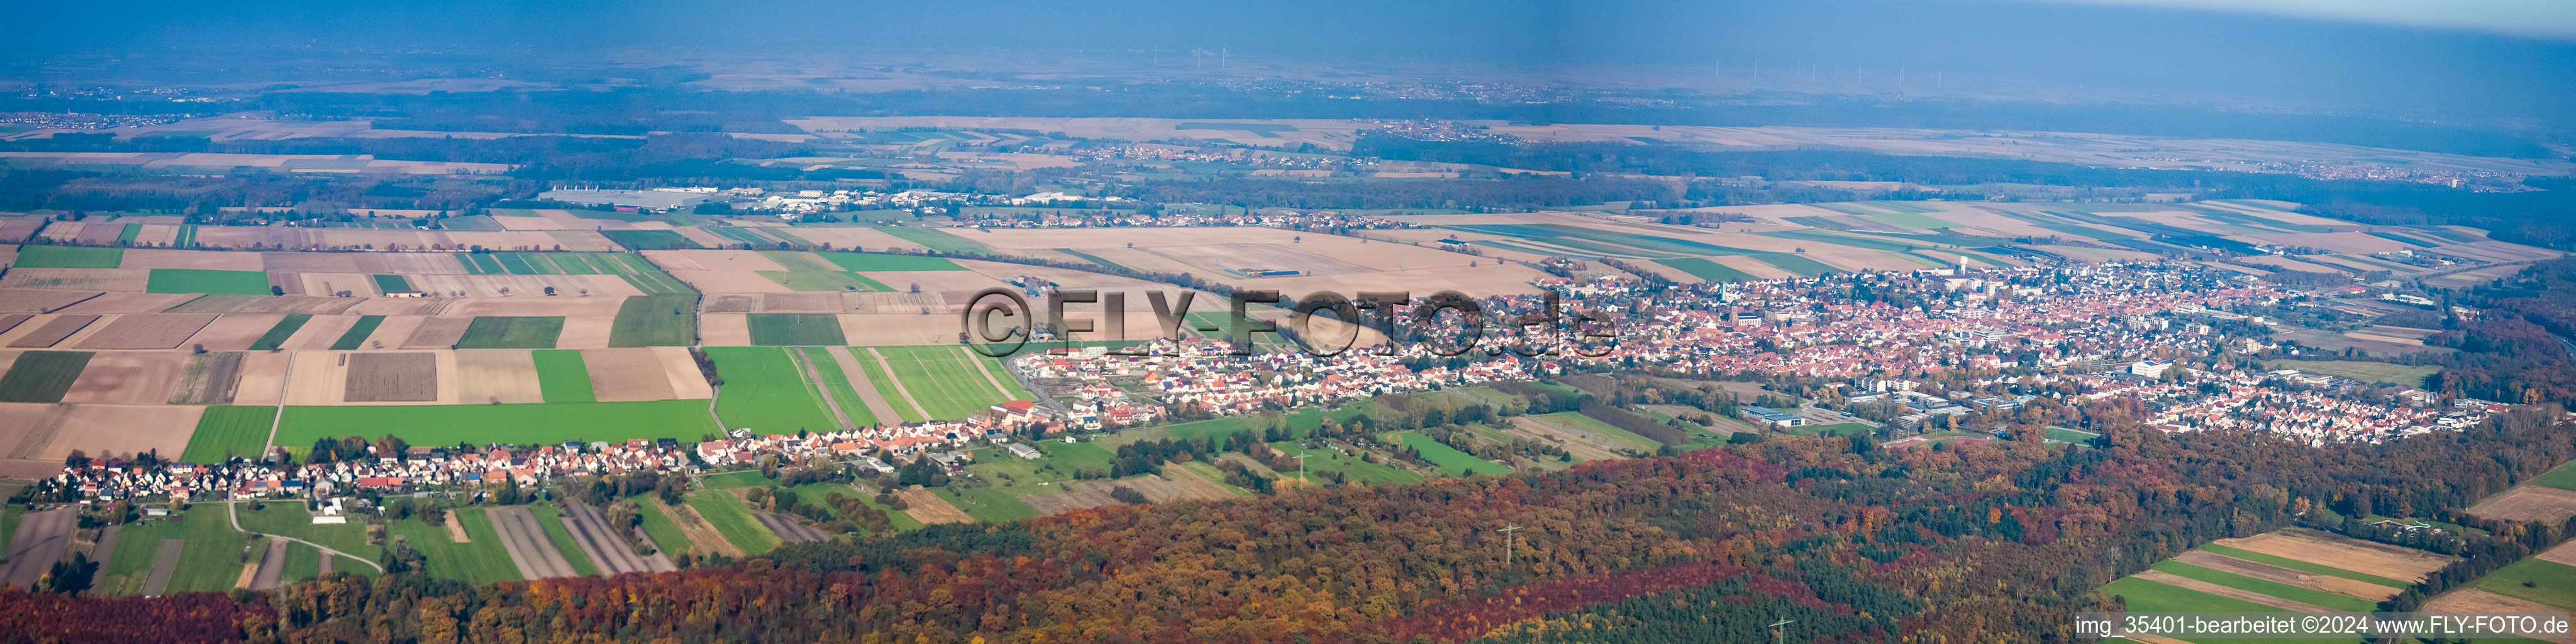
(2360, 55)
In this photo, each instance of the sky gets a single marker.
(2484, 58)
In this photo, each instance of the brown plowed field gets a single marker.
(263, 378)
(790, 530)
(928, 508)
(235, 332)
(54, 330)
(203, 259)
(586, 332)
(320, 332)
(802, 303)
(2365, 557)
(1069, 500)
(207, 379)
(504, 376)
(148, 331)
(730, 282)
(2528, 503)
(401, 306)
(1194, 485)
(128, 378)
(619, 375)
(391, 377)
(132, 303)
(115, 280)
(2268, 572)
(687, 383)
(437, 333)
(2471, 600)
(525, 539)
(40, 301)
(726, 329)
(731, 303)
(2565, 553)
(530, 304)
(391, 332)
(267, 304)
(101, 430)
(12, 320)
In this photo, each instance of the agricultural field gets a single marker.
(229, 430)
(42, 376)
(766, 392)
(41, 256)
(733, 519)
(946, 382)
(563, 376)
(795, 329)
(2293, 570)
(522, 424)
(2550, 497)
(1449, 459)
(512, 332)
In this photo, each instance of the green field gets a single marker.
(229, 430)
(836, 384)
(43, 256)
(512, 332)
(2550, 582)
(290, 519)
(357, 333)
(2562, 477)
(667, 320)
(2070, 435)
(988, 504)
(1326, 460)
(824, 281)
(2150, 597)
(731, 518)
(1707, 270)
(126, 236)
(885, 262)
(278, 334)
(765, 392)
(740, 234)
(480, 264)
(42, 376)
(935, 239)
(2272, 588)
(2370, 372)
(665, 534)
(550, 518)
(211, 560)
(212, 282)
(1917, 221)
(527, 424)
(1836, 429)
(1449, 459)
(391, 283)
(649, 239)
(795, 329)
(946, 384)
(884, 383)
(1594, 426)
(562, 376)
(480, 560)
(1796, 264)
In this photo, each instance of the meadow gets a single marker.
(212, 282)
(1449, 459)
(229, 430)
(526, 424)
(662, 320)
(795, 329)
(765, 392)
(512, 332)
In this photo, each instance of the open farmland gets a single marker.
(765, 391)
(795, 329)
(229, 430)
(524, 424)
(42, 376)
(2294, 570)
(946, 382)
(392, 377)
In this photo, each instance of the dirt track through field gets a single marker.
(2188, 583)
(164, 564)
(814, 385)
(272, 566)
(526, 541)
(591, 531)
(790, 530)
(898, 383)
(702, 537)
(986, 367)
(877, 406)
(39, 542)
(2268, 572)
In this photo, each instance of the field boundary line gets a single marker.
(898, 384)
(284, 381)
(988, 373)
(878, 406)
(814, 383)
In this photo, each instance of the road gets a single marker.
(232, 510)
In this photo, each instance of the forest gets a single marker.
(1964, 542)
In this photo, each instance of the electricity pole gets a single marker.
(1778, 634)
(1507, 542)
